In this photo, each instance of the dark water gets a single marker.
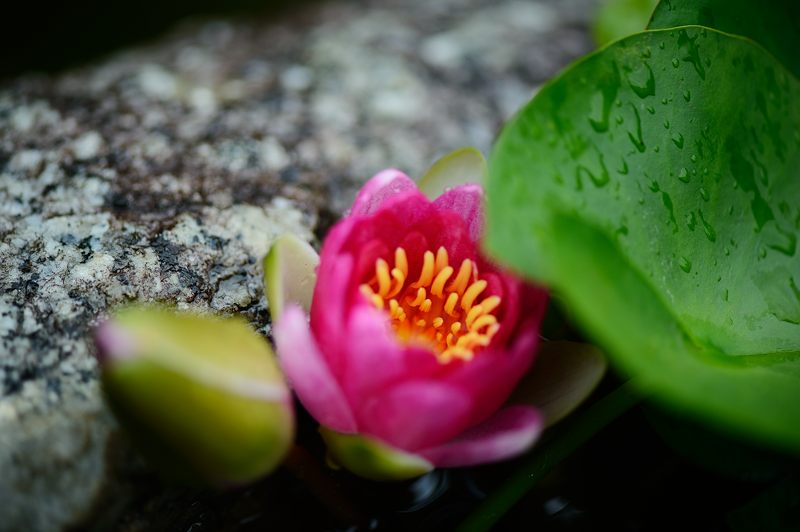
(625, 478)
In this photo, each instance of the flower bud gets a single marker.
(201, 397)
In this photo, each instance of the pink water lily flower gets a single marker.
(415, 340)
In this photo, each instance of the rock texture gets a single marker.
(164, 173)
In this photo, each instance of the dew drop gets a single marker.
(693, 158)
(683, 175)
(667, 201)
(675, 62)
(666, 124)
(725, 295)
(636, 139)
(643, 85)
(678, 140)
(651, 109)
(619, 119)
(692, 54)
(711, 235)
(789, 245)
(602, 105)
(685, 264)
(687, 95)
(704, 194)
(691, 221)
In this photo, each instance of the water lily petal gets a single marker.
(374, 357)
(309, 374)
(506, 434)
(378, 189)
(467, 201)
(416, 414)
(493, 374)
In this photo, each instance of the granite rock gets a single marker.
(164, 172)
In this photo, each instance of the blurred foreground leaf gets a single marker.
(202, 397)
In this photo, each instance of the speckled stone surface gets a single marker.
(164, 173)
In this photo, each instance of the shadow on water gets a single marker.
(625, 478)
(53, 35)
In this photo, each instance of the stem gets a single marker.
(572, 435)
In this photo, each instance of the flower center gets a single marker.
(437, 308)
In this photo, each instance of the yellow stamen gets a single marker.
(382, 273)
(490, 303)
(472, 315)
(401, 261)
(450, 304)
(426, 305)
(441, 259)
(398, 279)
(453, 318)
(441, 278)
(483, 321)
(419, 299)
(426, 275)
(459, 284)
(472, 292)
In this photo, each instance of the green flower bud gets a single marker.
(201, 397)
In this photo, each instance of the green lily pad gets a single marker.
(459, 167)
(564, 374)
(660, 196)
(290, 274)
(201, 397)
(774, 24)
(372, 459)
